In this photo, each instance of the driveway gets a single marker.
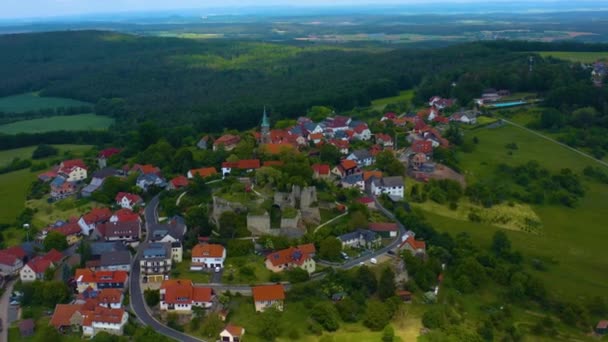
(4, 310)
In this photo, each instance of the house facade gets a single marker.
(232, 333)
(293, 257)
(73, 170)
(98, 280)
(392, 186)
(180, 296)
(127, 200)
(268, 296)
(156, 262)
(207, 256)
(360, 238)
(9, 264)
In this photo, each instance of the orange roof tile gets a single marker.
(63, 313)
(268, 292)
(322, 169)
(235, 330)
(208, 251)
(204, 172)
(182, 291)
(88, 276)
(278, 148)
(109, 296)
(348, 164)
(296, 255)
(369, 174)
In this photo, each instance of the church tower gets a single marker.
(265, 129)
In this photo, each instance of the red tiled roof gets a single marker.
(39, 264)
(63, 313)
(108, 152)
(88, 276)
(133, 198)
(97, 215)
(227, 139)
(348, 164)
(109, 296)
(16, 251)
(422, 146)
(68, 165)
(415, 244)
(120, 228)
(297, 255)
(179, 182)
(602, 324)
(365, 200)
(8, 259)
(278, 148)
(322, 169)
(339, 143)
(53, 256)
(441, 119)
(126, 215)
(204, 172)
(235, 330)
(390, 115)
(248, 164)
(208, 251)
(182, 291)
(383, 227)
(369, 174)
(146, 169)
(268, 292)
(360, 128)
(102, 315)
(68, 229)
(201, 294)
(316, 136)
(383, 137)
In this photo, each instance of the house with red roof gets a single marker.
(128, 200)
(35, 268)
(98, 280)
(321, 171)
(247, 165)
(207, 256)
(202, 172)
(104, 155)
(347, 167)
(90, 220)
(384, 229)
(435, 138)
(277, 148)
(71, 231)
(416, 247)
(127, 231)
(384, 140)
(232, 333)
(9, 264)
(92, 319)
(342, 145)
(316, 137)
(125, 215)
(362, 132)
(73, 170)
(268, 296)
(180, 295)
(177, 183)
(422, 146)
(292, 257)
(145, 169)
(440, 103)
(227, 141)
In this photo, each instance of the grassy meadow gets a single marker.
(33, 101)
(571, 242)
(581, 57)
(14, 185)
(404, 96)
(80, 122)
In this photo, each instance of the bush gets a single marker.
(43, 151)
(377, 315)
(152, 297)
(388, 335)
(326, 315)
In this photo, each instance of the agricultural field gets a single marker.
(572, 240)
(80, 122)
(32, 101)
(14, 185)
(581, 57)
(405, 96)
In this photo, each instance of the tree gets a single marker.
(501, 245)
(104, 337)
(377, 315)
(386, 285)
(348, 310)
(146, 334)
(212, 325)
(152, 297)
(297, 275)
(387, 162)
(55, 240)
(434, 318)
(326, 315)
(330, 249)
(268, 324)
(329, 154)
(366, 279)
(49, 273)
(43, 151)
(388, 334)
(319, 113)
(229, 224)
(239, 247)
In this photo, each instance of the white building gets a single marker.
(180, 295)
(207, 256)
(392, 186)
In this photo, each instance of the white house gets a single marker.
(232, 333)
(180, 295)
(127, 200)
(207, 256)
(362, 132)
(74, 170)
(101, 319)
(361, 157)
(9, 264)
(392, 186)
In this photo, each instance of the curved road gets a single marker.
(137, 296)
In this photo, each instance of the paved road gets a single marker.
(556, 142)
(4, 308)
(137, 296)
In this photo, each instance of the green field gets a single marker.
(404, 96)
(32, 101)
(80, 122)
(572, 242)
(14, 185)
(582, 57)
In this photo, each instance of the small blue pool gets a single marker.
(508, 104)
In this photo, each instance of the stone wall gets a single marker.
(221, 206)
(260, 225)
(291, 223)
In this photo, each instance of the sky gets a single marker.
(15, 9)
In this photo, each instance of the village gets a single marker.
(317, 189)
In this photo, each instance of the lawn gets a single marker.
(582, 57)
(14, 185)
(182, 270)
(32, 101)
(14, 335)
(572, 242)
(80, 122)
(233, 273)
(6, 156)
(404, 96)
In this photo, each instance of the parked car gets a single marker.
(373, 261)
(344, 255)
(217, 270)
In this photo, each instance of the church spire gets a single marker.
(265, 122)
(265, 129)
